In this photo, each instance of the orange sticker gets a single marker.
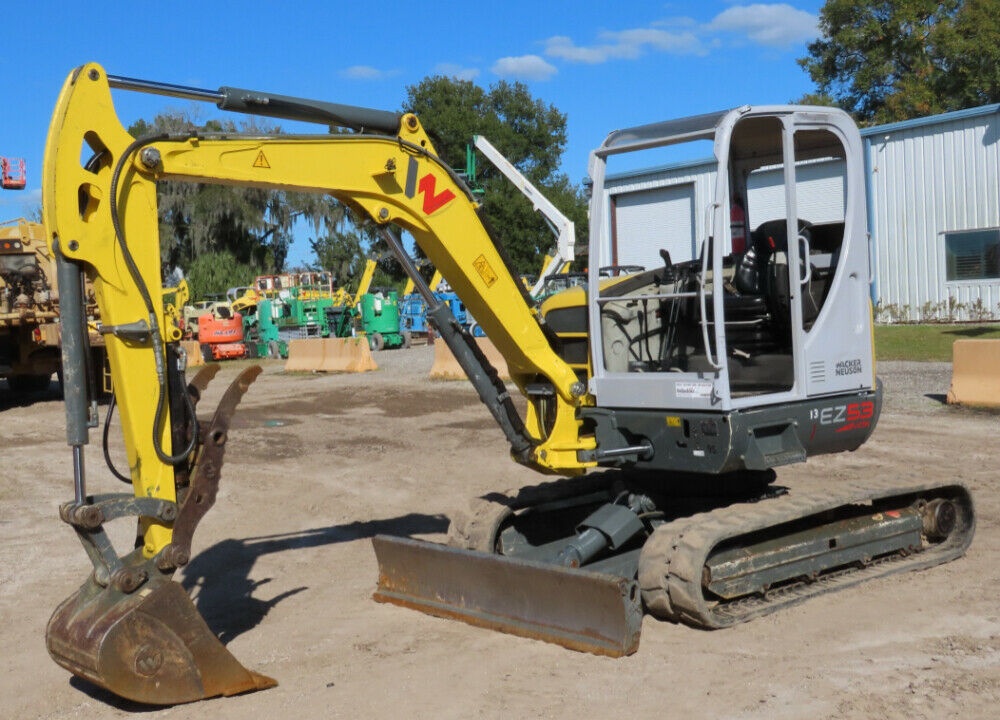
(485, 271)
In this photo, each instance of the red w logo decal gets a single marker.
(432, 202)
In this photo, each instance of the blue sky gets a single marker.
(606, 65)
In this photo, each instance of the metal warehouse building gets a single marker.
(933, 202)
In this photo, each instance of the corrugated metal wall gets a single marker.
(821, 193)
(927, 178)
(654, 220)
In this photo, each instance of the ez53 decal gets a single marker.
(852, 416)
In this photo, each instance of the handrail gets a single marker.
(654, 296)
(805, 259)
(709, 238)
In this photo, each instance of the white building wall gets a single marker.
(822, 195)
(651, 220)
(927, 178)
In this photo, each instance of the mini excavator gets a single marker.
(664, 399)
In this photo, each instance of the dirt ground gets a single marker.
(318, 464)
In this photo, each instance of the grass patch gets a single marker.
(926, 343)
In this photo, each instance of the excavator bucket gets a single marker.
(578, 609)
(446, 367)
(151, 646)
(975, 373)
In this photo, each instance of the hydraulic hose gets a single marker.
(154, 326)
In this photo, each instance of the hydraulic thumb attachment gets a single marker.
(130, 628)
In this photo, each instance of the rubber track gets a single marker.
(478, 526)
(672, 560)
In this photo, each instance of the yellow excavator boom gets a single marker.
(365, 282)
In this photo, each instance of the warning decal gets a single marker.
(486, 272)
(261, 161)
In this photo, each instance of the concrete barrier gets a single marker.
(346, 355)
(975, 373)
(330, 355)
(304, 355)
(193, 350)
(446, 367)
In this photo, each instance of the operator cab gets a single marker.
(757, 292)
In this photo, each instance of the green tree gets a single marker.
(530, 133)
(973, 75)
(213, 273)
(340, 251)
(885, 61)
(249, 229)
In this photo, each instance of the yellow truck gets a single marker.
(29, 309)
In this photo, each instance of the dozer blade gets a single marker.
(150, 646)
(578, 609)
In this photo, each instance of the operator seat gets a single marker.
(772, 238)
(758, 341)
(745, 303)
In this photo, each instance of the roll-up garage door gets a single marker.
(821, 193)
(647, 220)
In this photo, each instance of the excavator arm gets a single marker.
(560, 225)
(101, 221)
(98, 214)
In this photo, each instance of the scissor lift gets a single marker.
(13, 173)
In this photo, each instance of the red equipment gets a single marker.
(221, 338)
(738, 226)
(12, 172)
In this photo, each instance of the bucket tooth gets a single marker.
(151, 646)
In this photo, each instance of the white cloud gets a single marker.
(775, 25)
(525, 67)
(770, 24)
(564, 48)
(366, 72)
(457, 71)
(624, 44)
